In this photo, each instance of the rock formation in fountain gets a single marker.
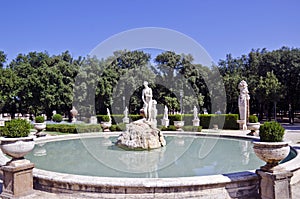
(143, 134)
(140, 135)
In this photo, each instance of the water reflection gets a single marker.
(40, 150)
(182, 156)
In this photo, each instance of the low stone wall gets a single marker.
(236, 185)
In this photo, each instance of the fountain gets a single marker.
(179, 164)
(143, 134)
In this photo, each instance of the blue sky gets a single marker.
(221, 27)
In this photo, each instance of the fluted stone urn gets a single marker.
(271, 152)
(253, 127)
(16, 148)
(179, 125)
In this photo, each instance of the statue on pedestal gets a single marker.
(126, 119)
(196, 118)
(243, 103)
(165, 121)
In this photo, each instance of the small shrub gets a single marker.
(175, 117)
(16, 128)
(105, 118)
(192, 128)
(57, 118)
(39, 119)
(271, 132)
(253, 119)
(169, 128)
(135, 117)
(115, 127)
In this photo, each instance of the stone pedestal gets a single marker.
(165, 122)
(17, 180)
(275, 185)
(93, 120)
(242, 123)
(196, 122)
(126, 120)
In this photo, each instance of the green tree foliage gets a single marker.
(44, 83)
(272, 76)
(2, 59)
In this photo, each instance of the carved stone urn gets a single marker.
(40, 127)
(271, 152)
(74, 113)
(106, 126)
(16, 148)
(253, 127)
(179, 125)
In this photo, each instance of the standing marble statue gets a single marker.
(243, 103)
(126, 119)
(165, 121)
(147, 99)
(196, 118)
(143, 134)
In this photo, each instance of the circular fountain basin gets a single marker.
(183, 156)
(189, 165)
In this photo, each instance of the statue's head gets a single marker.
(145, 83)
(243, 84)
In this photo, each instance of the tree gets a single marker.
(46, 83)
(118, 68)
(268, 92)
(2, 59)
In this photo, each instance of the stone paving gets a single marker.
(292, 134)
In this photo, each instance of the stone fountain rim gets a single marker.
(95, 181)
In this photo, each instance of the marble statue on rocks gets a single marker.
(243, 103)
(147, 99)
(143, 134)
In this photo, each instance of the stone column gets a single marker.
(275, 185)
(17, 180)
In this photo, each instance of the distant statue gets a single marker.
(195, 111)
(126, 119)
(165, 112)
(196, 121)
(147, 99)
(126, 112)
(243, 103)
(108, 113)
(165, 120)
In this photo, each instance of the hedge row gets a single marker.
(72, 128)
(185, 128)
(224, 121)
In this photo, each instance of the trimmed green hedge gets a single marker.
(118, 118)
(72, 128)
(224, 121)
(185, 128)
